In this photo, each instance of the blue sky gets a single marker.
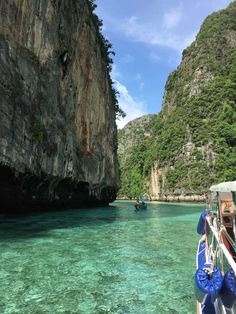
(148, 38)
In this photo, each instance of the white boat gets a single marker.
(215, 278)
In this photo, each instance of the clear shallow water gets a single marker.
(97, 261)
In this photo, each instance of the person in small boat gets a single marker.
(137, 204)
(227, 207)
(227, 213)
(140, 204)
(142, 201)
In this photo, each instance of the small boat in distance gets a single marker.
(215, 277)
(140, 204)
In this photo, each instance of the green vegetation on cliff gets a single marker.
(106, 54)
(192, 142)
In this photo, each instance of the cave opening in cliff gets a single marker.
(9, 193)
(6, 175)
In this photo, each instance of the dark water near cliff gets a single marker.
(106, 260)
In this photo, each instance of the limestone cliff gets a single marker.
(131, 134)
(57, 132)
(192, 142)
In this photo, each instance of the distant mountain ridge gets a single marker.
(130, 135)
(191, 142)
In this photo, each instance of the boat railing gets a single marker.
(216, 232)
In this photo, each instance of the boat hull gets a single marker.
(215, 277)
(140, 206)
(206, 307)
(210, 304)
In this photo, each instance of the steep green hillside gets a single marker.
(132, 154)
(192, 142)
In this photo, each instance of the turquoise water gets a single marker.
(103, 260)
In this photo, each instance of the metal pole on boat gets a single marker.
(233, 215)
(219, 207)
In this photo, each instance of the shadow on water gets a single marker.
(33, 225)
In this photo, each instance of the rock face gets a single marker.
(130, 135)
(130, 140)
(198, 114)
(58, 136)
(192, 141)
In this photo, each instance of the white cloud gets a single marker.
(161, 35)
(172, 18)
(161, 23)
(115, 74)
(131, 107)
(139, 79)
(133, 27)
